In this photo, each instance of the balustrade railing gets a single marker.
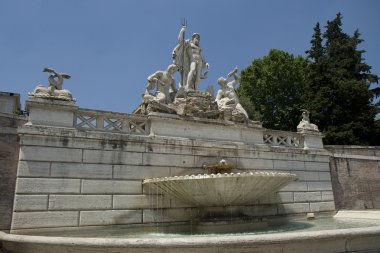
(86, 119)
(282, 138)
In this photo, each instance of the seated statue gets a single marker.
(305, 123)
(164, 83)
(54, 90)
(227, 99)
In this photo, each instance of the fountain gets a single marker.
(226, 189)
(84, 175)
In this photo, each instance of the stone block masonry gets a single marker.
(9, 154)
(70, 177)
(74, 178)
(355, 173)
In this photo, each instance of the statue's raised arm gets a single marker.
(187, 55)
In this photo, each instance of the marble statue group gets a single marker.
(162, 94)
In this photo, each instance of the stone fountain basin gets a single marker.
(222, 189)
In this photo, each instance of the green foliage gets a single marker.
(338, 93)
(274, 86)
(333, 84)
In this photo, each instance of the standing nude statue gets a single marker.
(227, 98)
(164, 83)
(187, 55)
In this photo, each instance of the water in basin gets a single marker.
(232, 228)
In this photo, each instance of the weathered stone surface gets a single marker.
(140, 201)
(322, 206)
(110, 217)
(139, 172)
(327, 196)
(324, 176)
(317, 166)
(44, 219)
(9, 154)
(111, 157)
(67, 138)
(170, 149)
(108, 168)
(319, 186)
(168, 160)
(47, 185)
(293, 208)
(307, 196)
(288, 165)
(30, 203)
(204, 129)
(255, 164)
(81, 170)
(48, 113)
(111, 186)
(295, 186)
(219, 152)
(33, 169)
(278, 197)
(355, 175)
(307, 175)
(50, 154)
(79, 202)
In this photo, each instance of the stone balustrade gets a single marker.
(87, 119)
(283, 138)
(66, 114)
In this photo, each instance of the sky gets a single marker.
(110, 47)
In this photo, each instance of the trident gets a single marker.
(184, 24)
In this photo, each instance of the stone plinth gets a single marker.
(47, 112)
(312, 139)
(211, 129)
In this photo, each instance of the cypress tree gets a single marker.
(338, 92)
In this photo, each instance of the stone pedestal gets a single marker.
(199, 128)
(51, 112)
(312, 139)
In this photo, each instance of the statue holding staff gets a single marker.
(187, 55)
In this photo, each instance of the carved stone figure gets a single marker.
(188, 56)
(227, 99)
(305, 122)
(164, 83)
(54, 90)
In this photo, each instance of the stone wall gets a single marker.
(355, 172)
(69, 177)
(9, 151)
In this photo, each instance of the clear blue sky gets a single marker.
(110, 47)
